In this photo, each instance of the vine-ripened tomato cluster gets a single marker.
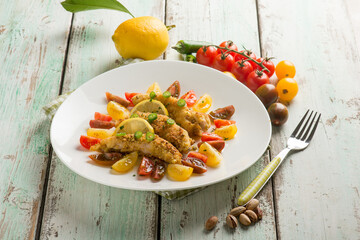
(253, 72)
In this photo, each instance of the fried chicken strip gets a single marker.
(193, 122)
(175, 134)
(159, 148)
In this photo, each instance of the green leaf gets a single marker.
(85, 5)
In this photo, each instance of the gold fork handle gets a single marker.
(259, 182)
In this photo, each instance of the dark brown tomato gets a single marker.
(267, 94)
(223, 113)
(106, 159)
(198, 165)
(174, 89)
(278, 113)
(120, 100)
(101, 124)
(217, 144)
(159, 171)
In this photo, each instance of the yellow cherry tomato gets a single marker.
(285, 69)
(203, 104)
(214, 156)
(227, 132)
(126, 163)
(179, 172)
(287, 89)
(100, 133)
(229, 74)
(117, 111)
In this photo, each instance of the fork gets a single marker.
(298, 140)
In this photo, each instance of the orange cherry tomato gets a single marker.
(285, 69)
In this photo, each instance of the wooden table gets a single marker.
(46, 51)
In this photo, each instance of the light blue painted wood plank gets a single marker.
(215, 21)
(75, 207)
(317, 190)
(32, 48)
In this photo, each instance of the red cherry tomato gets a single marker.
(102, 117)
(256, 79)
(198, 155)
(210, 137)
(147, 166)
(241, 69)
(223, 62)
(206, 55)
(129, 96)
(159, 171)
(87, 142)
(229, 44)
(190, 98)
(221, 123)
(268, 64)
(247, 53)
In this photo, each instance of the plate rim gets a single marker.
(139, 188)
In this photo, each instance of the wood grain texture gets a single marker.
(185, 219)
(32, 49)
(77, 208)
(317, 190)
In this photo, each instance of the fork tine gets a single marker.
(308, 128)
(299, 125)
(304, 127)
(313, 131)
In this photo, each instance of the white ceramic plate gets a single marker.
(72, 120)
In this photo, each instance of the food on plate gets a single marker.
(278, 113)
(287, 89)
(173, 133)
(162, 129)
(142, 37)
(192, 121)
(156, 147)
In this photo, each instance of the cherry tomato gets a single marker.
(268, 64)
(87, 141)
(147, 166)
(229, 44)
(101, 124)
(241, 69)
(159, 171)
(247, 53)
(287, 89)
(102, 117)
(190, 98)
(217, 144)
(223, 113)
(111, 97)
(106, 159)
(285, 69)
(229, 74)
(221, 122)
(129, 96)
(205, 136)
(223, 62)
(256, 79)
(206, 55)
(198, 165)
(198, 155)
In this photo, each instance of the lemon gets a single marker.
(133, 125)
(154, 88)
(126, 163)
(142, 37)
(151, 106)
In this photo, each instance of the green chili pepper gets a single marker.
(134, 115)
(170, 121)
(181, 103)
(167, 94)
(120, 134)
(188, 46)
(150, 136)
(152, 95)
(138, 134)
(152, 117)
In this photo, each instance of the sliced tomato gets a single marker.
(190, 98)
(159, 171)
(210, 137)
(129, 96)
(220, 122)
(101, 124)
(147, 166)
(87, 141)
(195, 163)
(106, 159)
(111, 97)
(217, 144)
(102, 117)
(198, 155)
